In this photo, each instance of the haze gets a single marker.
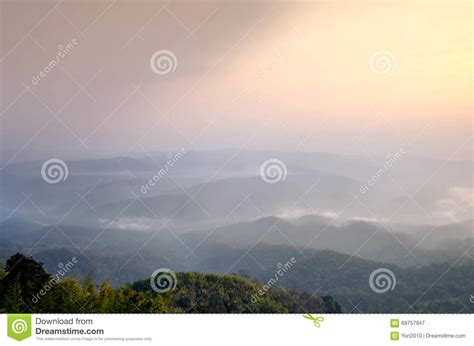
(260, 76)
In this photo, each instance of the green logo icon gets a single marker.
(19, 326)
(316, 320)
(394, 336)
(394, 323)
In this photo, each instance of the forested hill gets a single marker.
(26, 287)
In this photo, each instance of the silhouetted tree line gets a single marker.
(26, 287)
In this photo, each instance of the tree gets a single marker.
(2, 271)
(30, 274)
(13, 301)
(195, 292)
(105, 297)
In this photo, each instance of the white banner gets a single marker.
(222, 329)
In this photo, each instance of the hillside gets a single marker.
(437, 288)
(24, 279)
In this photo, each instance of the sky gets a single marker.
(346, 77)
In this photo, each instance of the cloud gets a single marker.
(457, 205)
(130, 224)
(297, 213)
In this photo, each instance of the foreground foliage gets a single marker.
(26, 287)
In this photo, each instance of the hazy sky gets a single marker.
(344, 77)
